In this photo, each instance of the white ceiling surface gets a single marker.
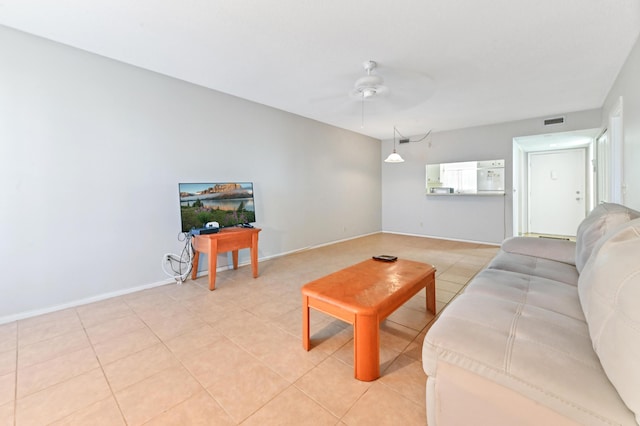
(490, 60)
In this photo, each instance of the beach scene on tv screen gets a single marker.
(228, 203)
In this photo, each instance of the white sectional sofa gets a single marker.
(547, 334)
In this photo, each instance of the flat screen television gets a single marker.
(228, 203)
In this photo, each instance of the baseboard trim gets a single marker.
(104, 296)
(443, 238)
(80, 302)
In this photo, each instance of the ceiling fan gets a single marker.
(399, 91)
(370, 85)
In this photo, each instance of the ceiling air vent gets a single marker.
(552, 121)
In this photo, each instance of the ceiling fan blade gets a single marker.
(328, 98)
(406, 81)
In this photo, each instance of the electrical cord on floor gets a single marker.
(181, 265)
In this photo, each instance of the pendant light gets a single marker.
(394, 157)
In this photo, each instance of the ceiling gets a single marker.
(447, 63)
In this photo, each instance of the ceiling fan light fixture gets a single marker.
(367, 92)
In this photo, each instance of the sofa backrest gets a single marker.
(609, 291)
(602, 219)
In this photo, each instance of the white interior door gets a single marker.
(556, 191)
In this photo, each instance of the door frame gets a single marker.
(617, 187)
(585, 176)
(602, 166)
(522, 145)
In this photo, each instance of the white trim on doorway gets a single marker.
(522, 145)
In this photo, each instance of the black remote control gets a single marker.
(385, 258)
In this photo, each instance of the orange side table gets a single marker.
(228, 239)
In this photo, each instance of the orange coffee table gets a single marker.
(363, 295)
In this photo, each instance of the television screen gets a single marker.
(228, 203)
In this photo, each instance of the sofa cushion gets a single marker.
(544, 293)
(609, 290)
(535, 266)
(544, 355)
(547, 248)
(603, 218)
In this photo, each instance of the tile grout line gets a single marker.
(104, 375)
(48, 360)
(158, 372)
(204, 388)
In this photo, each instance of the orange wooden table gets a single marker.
(363, 295)
(228, 239)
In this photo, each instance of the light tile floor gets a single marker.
(180, 354)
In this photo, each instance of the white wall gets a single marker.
(407, 209)
(91, 153)
(627, 85)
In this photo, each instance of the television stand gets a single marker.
(228, 239)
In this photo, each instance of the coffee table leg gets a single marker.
(430, 289)
(366, 347)
(305, 322)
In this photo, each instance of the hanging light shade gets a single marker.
(394, 157)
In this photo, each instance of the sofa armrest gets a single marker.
(559, 250)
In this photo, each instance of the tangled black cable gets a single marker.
(417, 140)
